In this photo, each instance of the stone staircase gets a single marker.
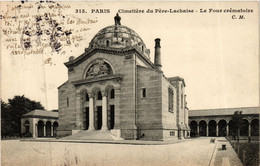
(92, 135)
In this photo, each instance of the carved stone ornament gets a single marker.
(102, 82)
(91, 95)
(98, 68)
(128, 57)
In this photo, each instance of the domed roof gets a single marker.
(118, 36)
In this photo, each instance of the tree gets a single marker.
(13, 111)
(6, 120)
(237, 122)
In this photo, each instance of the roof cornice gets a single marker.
(116, 77)
(115, 51)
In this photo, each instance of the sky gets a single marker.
(216, 55)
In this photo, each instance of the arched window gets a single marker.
(112, 94)
(107, 43)
(87, 97)
(99, 95)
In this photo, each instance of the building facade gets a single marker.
(40, 123)
(114, 86)
(218, 122)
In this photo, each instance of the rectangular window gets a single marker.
(68, 102)
(144, 93)
(170, 100)
(172, 133)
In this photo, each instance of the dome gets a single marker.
(118, 36)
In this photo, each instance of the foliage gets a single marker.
(237, 122)
(247, 152)
(12, 112)
(7, 125)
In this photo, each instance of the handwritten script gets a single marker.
(42, 28)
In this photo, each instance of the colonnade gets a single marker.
(42, 131)
(223, 127)
(92, 113)
(92, 101)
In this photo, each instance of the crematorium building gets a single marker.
(114, 88)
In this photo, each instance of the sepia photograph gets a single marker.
(110, 83)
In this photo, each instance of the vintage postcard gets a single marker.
(129, 83)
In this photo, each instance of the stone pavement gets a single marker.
(195, 152)
(226, 157)
(91, 135)
(105, 141)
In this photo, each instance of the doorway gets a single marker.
(112, 116)
(40, 129)
(87, 118)
(48, 129)
(99, 117)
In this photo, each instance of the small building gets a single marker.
(115, 87)
(218, 122)
(40, 123)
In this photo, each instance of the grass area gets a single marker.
(248, 152)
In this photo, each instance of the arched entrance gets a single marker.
(48, 128)
(111, 117)
(202, 128)
(212, 128)
(244, 128)
(85, 108)
(222, 128)
(86, 118)
(55, 126)
(40, 128)
(111, 107)
(98, 112)
(193, 129)
(231, 128)
(255, 127)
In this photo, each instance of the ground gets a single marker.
(188, 152)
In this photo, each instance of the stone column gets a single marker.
(79, 124)
(91, 112)
(32, 130)
(249, 129)
(104, 111)
(44, 130)
(52, 130)
(117, 110)
(207, 131)
(227, 129)
(36, 130)
(198, 129)
(217, 129)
